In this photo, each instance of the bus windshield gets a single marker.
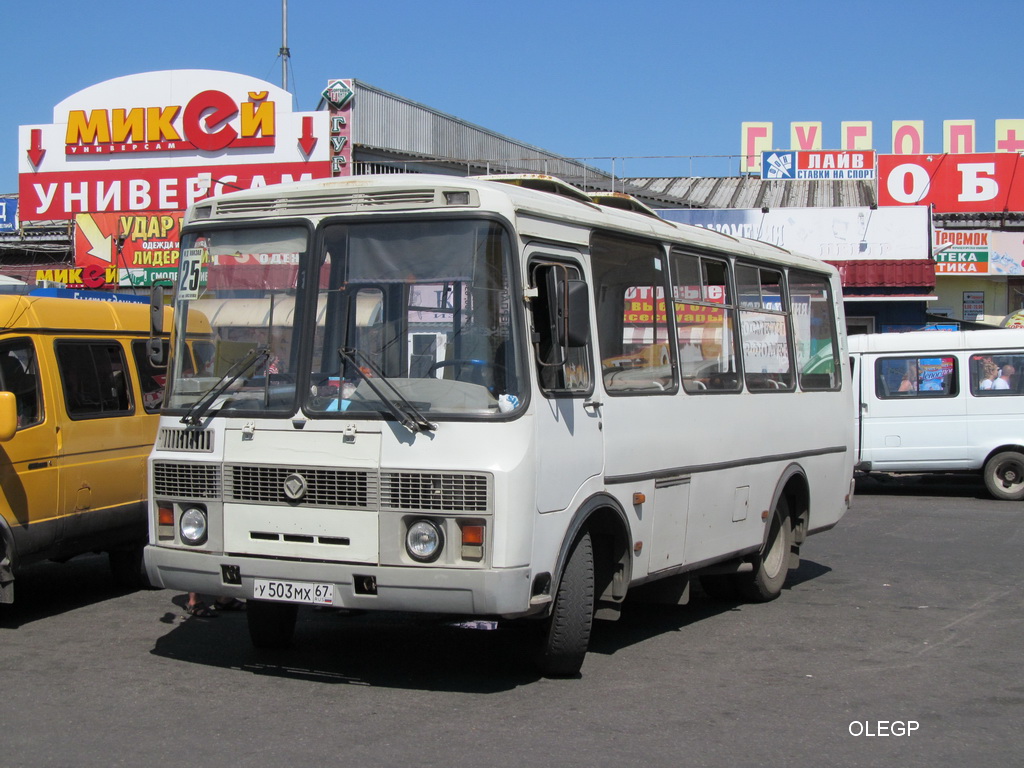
(397, 320)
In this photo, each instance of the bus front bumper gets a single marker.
(424, 589)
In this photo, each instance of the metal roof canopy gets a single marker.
(751, 192)
(386, 123)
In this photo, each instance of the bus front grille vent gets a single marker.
(435, 491)
(196, 440)
(182, 480)
(320, 487)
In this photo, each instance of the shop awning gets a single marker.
(886, 273)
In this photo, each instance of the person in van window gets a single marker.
(1003, 382)
(909, 383)
(989, 373)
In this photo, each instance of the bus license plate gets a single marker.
(293, 591)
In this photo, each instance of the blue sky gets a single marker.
(663, 80)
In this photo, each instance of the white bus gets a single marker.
(480, 399)
(937, 401)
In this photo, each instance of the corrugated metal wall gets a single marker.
(384, 121)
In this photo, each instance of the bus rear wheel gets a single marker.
(271, 625)
(1004, 476)
(771, 565)
(566, 633)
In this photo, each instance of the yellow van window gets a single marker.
(95, 379)
(18, 375)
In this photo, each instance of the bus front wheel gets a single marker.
(772, 563)
(566, 633)
(1004, 476)
(271, 625)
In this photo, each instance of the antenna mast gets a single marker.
(284, 53)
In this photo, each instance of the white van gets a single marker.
(936, 401)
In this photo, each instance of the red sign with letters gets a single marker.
(975, 183)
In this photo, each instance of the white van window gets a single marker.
(903, 377)
(997, 373)
(18, 375)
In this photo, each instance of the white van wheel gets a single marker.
(1004, 476)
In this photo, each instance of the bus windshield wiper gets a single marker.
(203, 404)
(405, 412)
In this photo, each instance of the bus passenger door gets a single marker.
(570, 444)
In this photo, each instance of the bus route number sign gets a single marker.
(190, 273)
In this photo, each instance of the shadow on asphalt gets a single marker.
(48, 589)
(969, 486)
(433, 653)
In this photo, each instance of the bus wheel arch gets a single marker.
(785, 528)
(591, 577)
(609, 531)
(1003, 473)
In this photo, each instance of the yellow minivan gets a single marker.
(79, 396)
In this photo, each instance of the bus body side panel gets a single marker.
(729, 480)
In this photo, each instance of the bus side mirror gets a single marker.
(8, 416)
(577, 326)
(156, 347)
(569, 309)
(156, 310)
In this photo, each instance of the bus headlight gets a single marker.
(424, 541)
(192, 526)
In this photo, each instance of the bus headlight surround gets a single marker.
(192, 526)
(424, 540)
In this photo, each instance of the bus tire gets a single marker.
(271, 625)
(1004, 476)
(771, 565)
(566, 633)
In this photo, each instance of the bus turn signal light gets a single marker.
(472, 541)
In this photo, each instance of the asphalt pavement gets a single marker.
(896, 643)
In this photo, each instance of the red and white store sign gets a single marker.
(975, 183)
(150, 189)
(162, 140)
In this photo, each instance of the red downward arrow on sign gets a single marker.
(36, 151)
(307, 141)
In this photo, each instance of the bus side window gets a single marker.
(814, 331)
(706, 322)
(764, 316)
(630, 282)
(561, 368)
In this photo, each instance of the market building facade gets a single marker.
(920, 240)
